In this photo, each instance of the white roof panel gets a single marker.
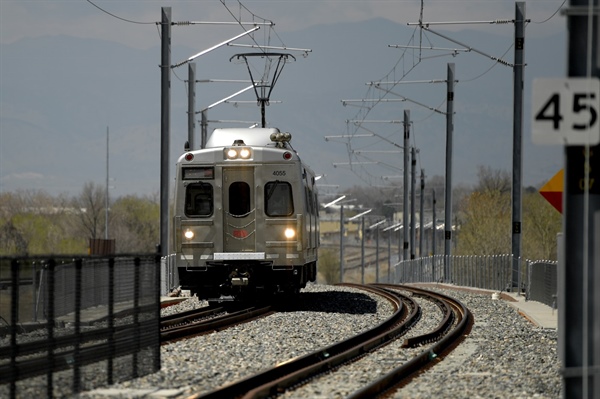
(257, 137)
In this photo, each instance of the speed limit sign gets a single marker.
(566, 111)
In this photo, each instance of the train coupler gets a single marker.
(237, 281)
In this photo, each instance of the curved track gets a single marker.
(406, 313)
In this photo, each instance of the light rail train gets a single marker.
(246, 218)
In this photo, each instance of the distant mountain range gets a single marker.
(59, 94)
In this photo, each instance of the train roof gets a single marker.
(256, 137)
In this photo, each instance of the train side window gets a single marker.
(278, 199)
(199, 199)
(239, 199)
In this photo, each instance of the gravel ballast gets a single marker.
(504, 355)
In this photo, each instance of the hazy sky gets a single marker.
(133, 23)
(34, 18)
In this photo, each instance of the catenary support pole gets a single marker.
(362, 250)
(341, 243)
(580, 318)
(421, 219)
(433, 235)
(448, 189)
(405, 184)
(191, 105)
(204, 128)
(165, 123)
(413, 192)
(517, 170)
(377, 254)
(106, 199)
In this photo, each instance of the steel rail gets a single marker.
(402, 373)
(218, 323)
(287, 374)
(190, 316)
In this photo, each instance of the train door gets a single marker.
(239, 209)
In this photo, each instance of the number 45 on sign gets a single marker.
(566, 111)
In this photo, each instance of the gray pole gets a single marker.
(191, 104)
(405, 194)
(517, 141)
(389, 279)
(422, 199)
(341, 243)
(413, 192)
(377, 254)
(448, 190)
(204, 125)
(362, 249)
(165, 123)
(580, 316)
(106, 199)
(433, 240)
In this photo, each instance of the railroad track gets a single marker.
(90, 345)
(212, 318)
(455, 321)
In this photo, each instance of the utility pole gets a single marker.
(362, 250)
(191, 104)
(389, 279)
(106, 200)
(433, 238)
(579, 308)
(341, 243)
(204, 127)
(518, 68)
(405, 188)
(421, 206)
(413, 181)
(165, 125)
(448, 204)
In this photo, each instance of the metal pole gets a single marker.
(448, 190)
(421, 205)
(341, 243)
(362, 249)
(580, 318)
(434, 227)
(377, 254)
(204, 125)
(518, 68)
(405, 188)
(165, 123)
(433, 238)
(389, 279)
(191, 104)
(413, 222)
(106, 199)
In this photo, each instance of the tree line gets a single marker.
(32, 222)
(481, 214)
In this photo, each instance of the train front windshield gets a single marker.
(199, 200)
(278, 199)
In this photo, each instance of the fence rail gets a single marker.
(71, 302)
(537, 279)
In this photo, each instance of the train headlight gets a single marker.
(188, 234)
(245, 153)
(238, 153)
(231, 153)
(290, 233)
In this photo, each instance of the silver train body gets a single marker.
(246, 216)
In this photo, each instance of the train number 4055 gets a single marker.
(565, 111)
